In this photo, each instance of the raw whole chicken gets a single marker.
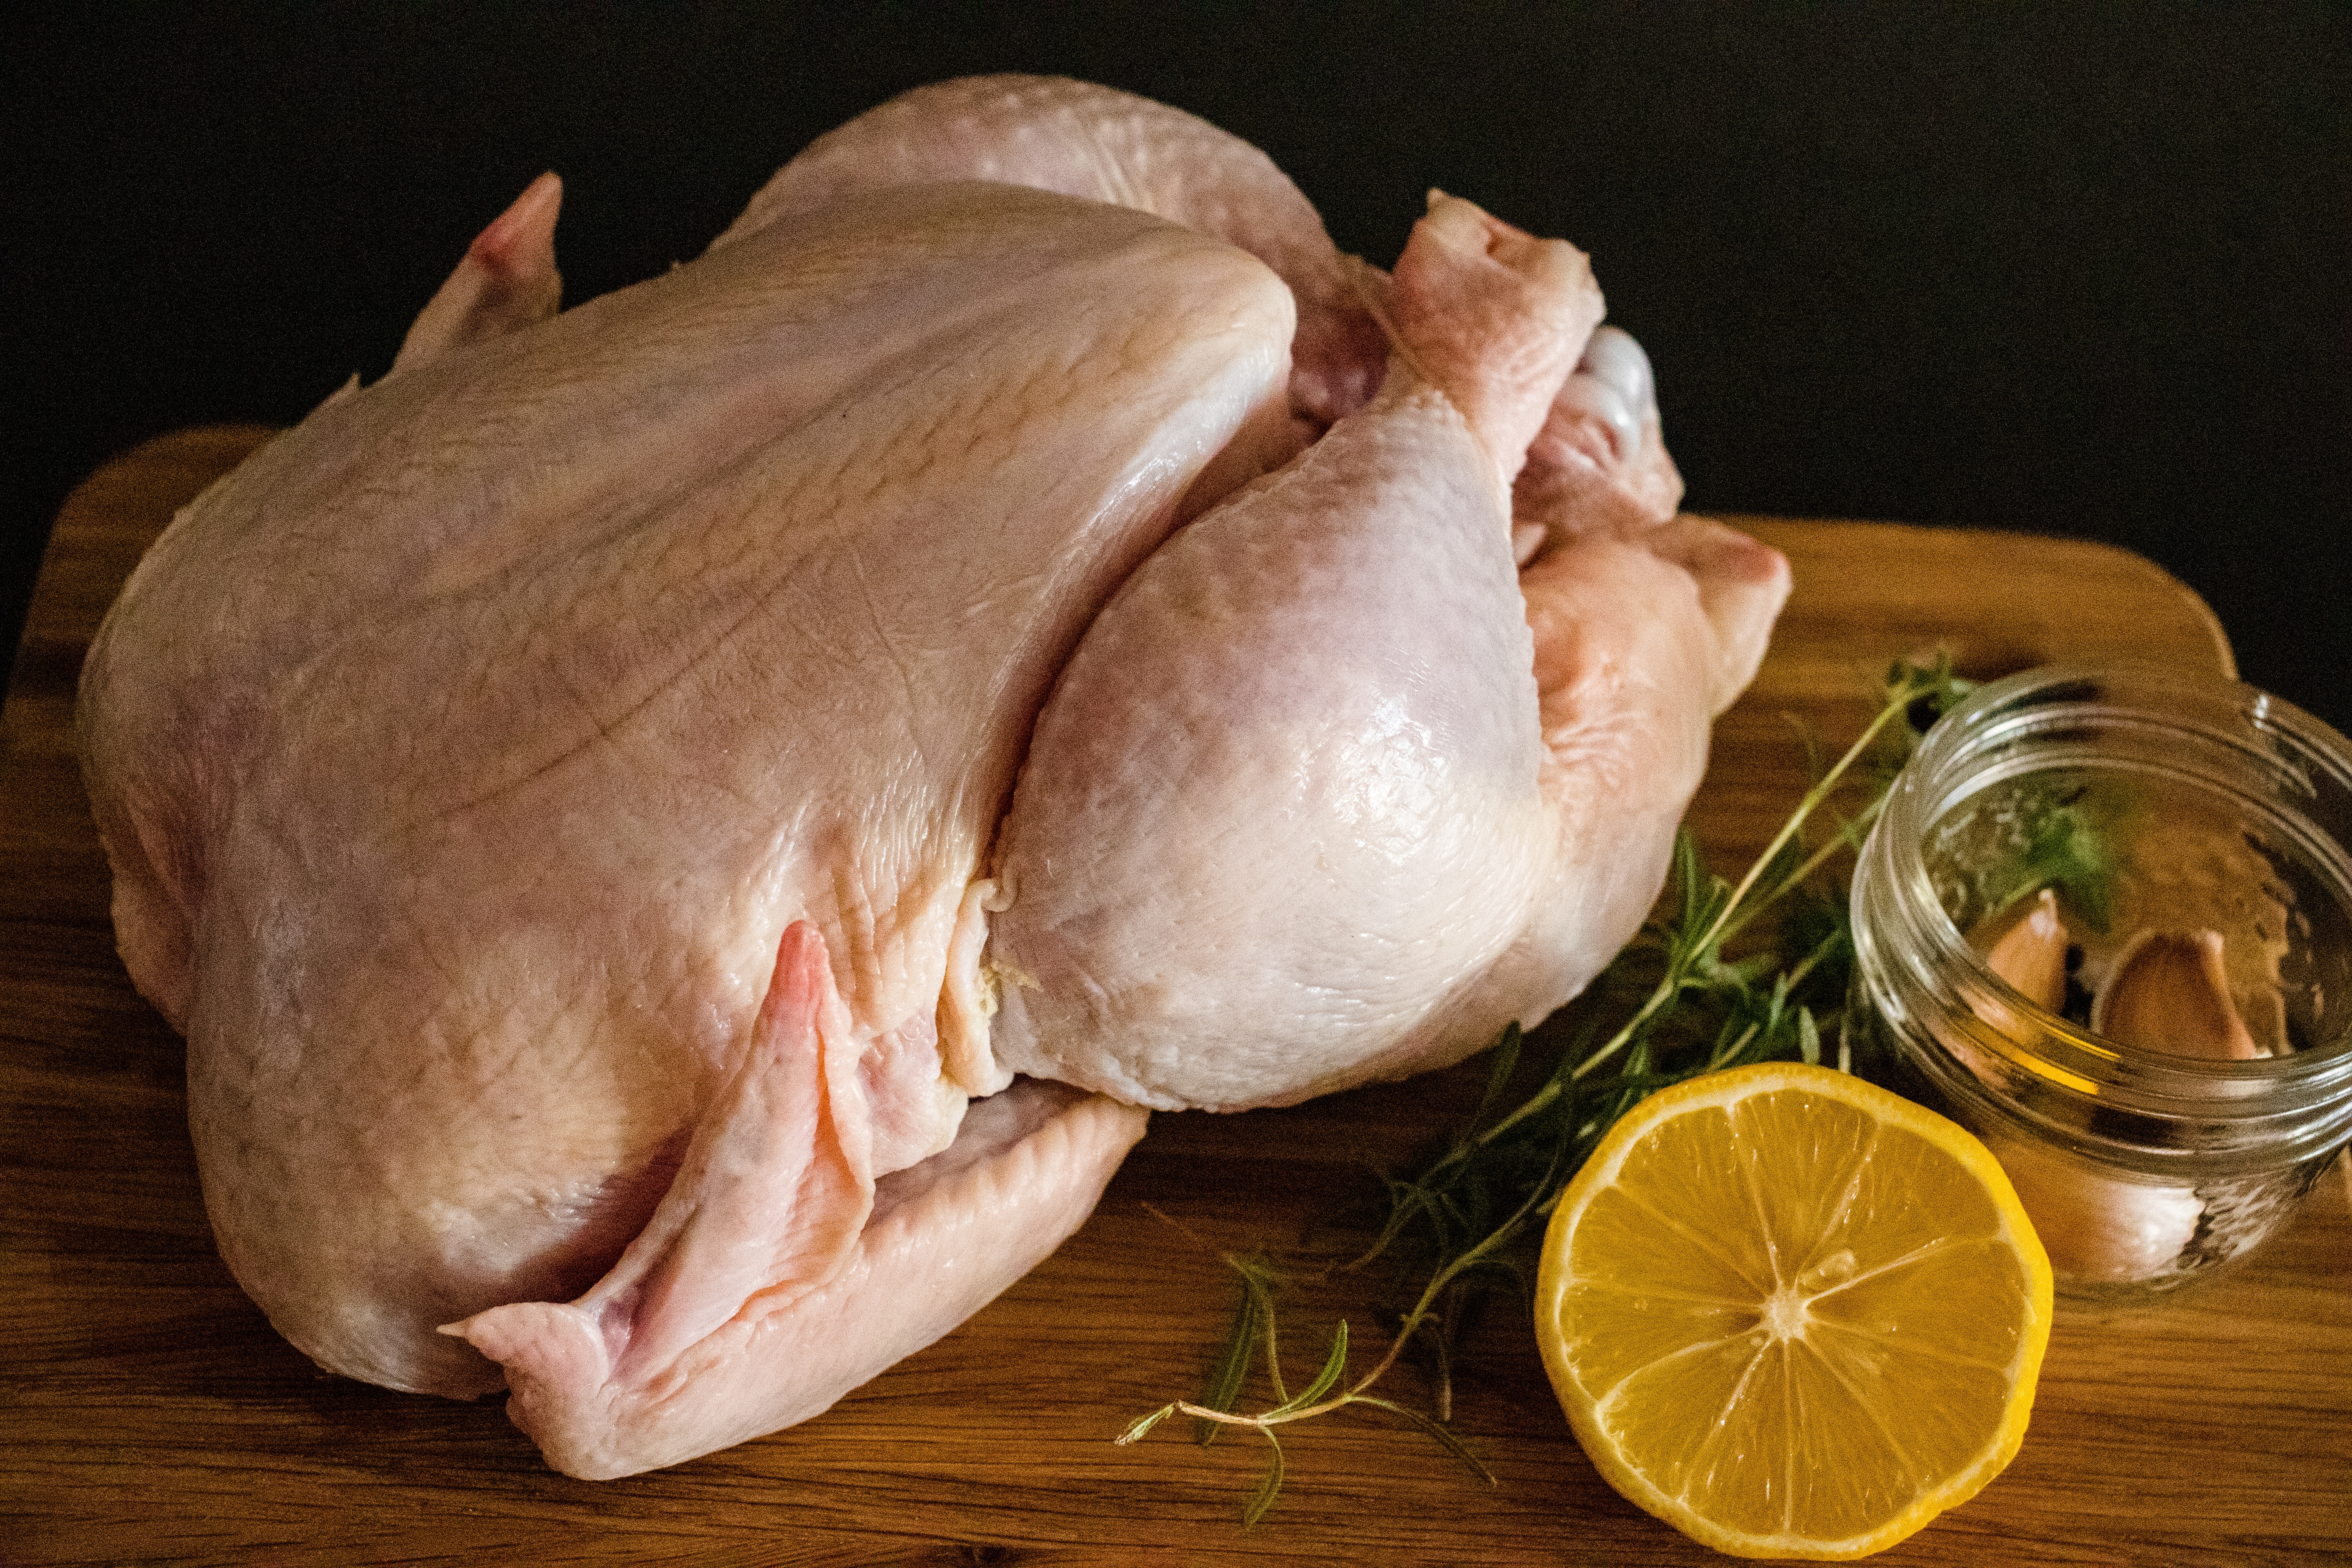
(684, 835)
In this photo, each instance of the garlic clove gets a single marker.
(2031, 953)
(2097, 1228)
(2168, 992)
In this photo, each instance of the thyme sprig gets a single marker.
(1706, 985)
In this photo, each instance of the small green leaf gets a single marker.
(1135, 1432)
(2069, 848)
(1689, 875)
(1499, 1077)
(1250, 1324)
(1262, 1280)
(1334, 1365)
(1269, 1485)
(1445, 1437)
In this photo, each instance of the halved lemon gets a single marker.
(1791, 1314)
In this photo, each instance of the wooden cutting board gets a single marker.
(151, 1416)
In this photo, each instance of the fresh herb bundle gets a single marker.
(1722, 975)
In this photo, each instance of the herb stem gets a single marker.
(1805, 869)
(1899, 701)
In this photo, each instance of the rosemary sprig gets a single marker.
(2070, 842)
(1708, 984)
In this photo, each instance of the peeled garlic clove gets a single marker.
(2098, 1227)
(2168, 992)
(2031, 953)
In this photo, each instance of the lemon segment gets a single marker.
(1792, 1314)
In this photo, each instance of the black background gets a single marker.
(2081, 270)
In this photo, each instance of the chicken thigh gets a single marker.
(683, 833)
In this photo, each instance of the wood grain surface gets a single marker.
(151, 1415)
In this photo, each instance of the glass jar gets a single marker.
(2192, 804)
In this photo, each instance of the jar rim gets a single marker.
(2300, 755)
